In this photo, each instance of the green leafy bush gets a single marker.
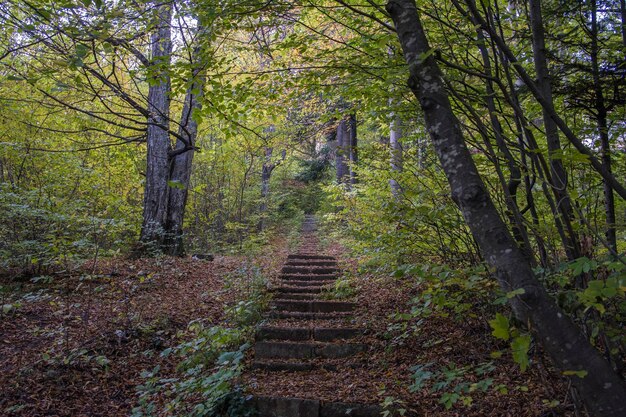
(210, 362)
(453, 383)
(36, 235)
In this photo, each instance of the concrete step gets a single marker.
(298, 407)
(309, 289)
(304, 255)
(321, 334)
(312, 283)
(322, 270)
(311, 262)
(306, 316)
(304, 277)
(304, 306)
(276, 366)
(306, 350)
(296, 334)
(302, 365)
(297, 296)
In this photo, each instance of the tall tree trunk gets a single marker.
(602, 389)
(395, 147)
(330, 137)
(557, 171)
(603, 130)
(180, 164)
(622, 12)
(522, 131)
(352, 144)
(266, 174)
(515, 175)
(158, 140)
(342, 152)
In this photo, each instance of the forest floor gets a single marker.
(77, 345)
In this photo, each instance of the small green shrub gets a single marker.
(453, 383)
(37, 235)
(343, 289)
(210, 363)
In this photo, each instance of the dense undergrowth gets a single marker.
(419, 236)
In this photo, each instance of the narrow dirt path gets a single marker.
(307, 332)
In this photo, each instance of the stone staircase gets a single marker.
(305, 331)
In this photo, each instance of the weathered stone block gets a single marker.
(286, 407)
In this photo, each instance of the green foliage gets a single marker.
(600, 305)
(392, 407)
(210, 362)
(249, 281)
(38, 235)
(298, 198)
(453, 383)
(312, 170)
(520, 342)
(343, 288)
(421, 223)
(500, 326)
(448, 291)
(206, 387)
(519, 346)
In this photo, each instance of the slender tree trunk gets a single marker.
(557, 171)
(266, 174)
(521, 132)
(330, 136)
(545, 104)
(602, 389)
(180, 164)
(622, 10)
(537, 163)
(158, 141)
(603, 131)
(395, 147)
(515, 175)
(352, 143)
(342, 152)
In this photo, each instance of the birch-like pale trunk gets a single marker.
(602, 390)
(266, 175)
(342, 152)
(353, 148)
(395, 148)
